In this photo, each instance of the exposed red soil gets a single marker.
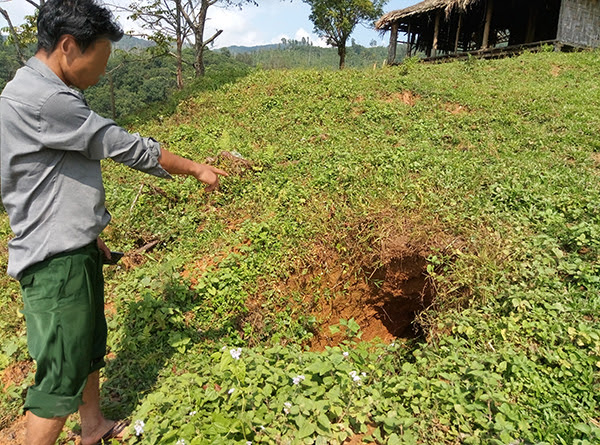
(14, 434)
(406, 97)
(15, 373)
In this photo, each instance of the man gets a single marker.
(51, 145)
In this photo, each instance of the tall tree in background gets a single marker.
(180, 19)
(25, 34)
(195, 14)
(164, 19)
(335, 20)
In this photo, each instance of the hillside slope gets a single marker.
(447, 214)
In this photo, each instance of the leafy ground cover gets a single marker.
(404, 255)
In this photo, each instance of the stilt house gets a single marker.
(454, 28)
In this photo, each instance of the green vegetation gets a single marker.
(144, 80)
(489, 170)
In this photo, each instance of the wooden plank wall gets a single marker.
(579, 23)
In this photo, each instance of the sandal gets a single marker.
(114, 432)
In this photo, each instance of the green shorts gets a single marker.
(66, 329)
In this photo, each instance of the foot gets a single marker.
(105, 432)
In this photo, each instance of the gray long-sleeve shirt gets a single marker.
(51, 145)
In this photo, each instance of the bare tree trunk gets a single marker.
(342, 54)
(179, 64)
(14, 35)
(179, 46)
(199, 44)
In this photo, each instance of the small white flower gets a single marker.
(248, 442)
(236, 353)
(231, 391)
(180, 442)
(298, 379)
(193, 413)
(138, 426)
(262, 427)
(355, 376)
(364, 374)
(286, 407)
(345, 353)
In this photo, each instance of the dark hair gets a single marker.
(85, 20)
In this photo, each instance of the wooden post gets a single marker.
(393, 43)
(488, 24)
(436, 31)
(530, 34)
(409, 40)
(458, 29)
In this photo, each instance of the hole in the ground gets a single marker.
(375, 275)
(400, 290)
(383, 300)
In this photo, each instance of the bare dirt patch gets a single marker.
(555, 70)
(14, 434)
(16, 373)
(406, 97)
(596, 159)
(456, 108)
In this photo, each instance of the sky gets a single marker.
(267, 23)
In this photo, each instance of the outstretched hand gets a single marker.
(176, 165)
(209, 175)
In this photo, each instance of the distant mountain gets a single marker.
(129, 42)
(250, 49)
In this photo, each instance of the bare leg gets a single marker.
(41, 431)
(93, 423)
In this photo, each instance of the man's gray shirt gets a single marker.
(51, 145)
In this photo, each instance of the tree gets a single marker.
(164, 19)
(20, 37)
(195, 14)
(335, 20)
(180, 19)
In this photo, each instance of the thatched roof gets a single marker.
(420, 8)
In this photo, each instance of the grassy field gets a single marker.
(399, 256)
